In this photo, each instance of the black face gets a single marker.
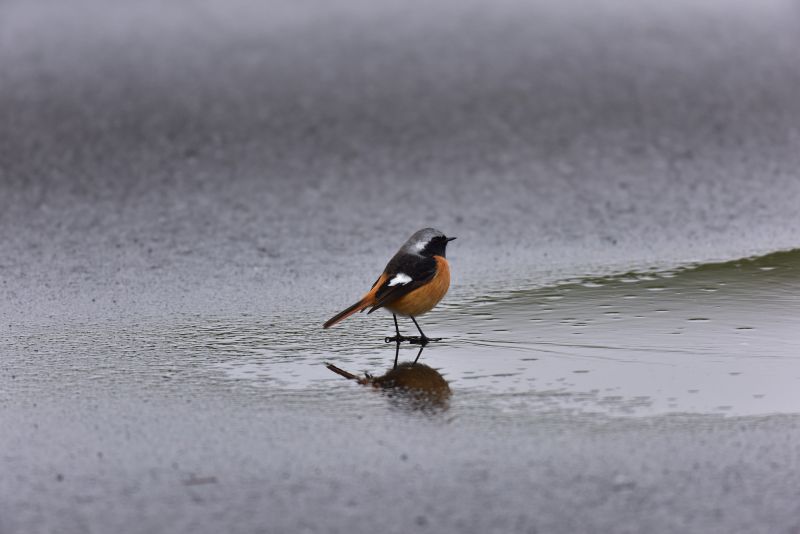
(437, 246)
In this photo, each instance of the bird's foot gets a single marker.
(422, 340)
(413, 340)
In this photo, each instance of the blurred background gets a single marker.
(149, 144)
(188, 189)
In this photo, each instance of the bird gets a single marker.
(413, 283)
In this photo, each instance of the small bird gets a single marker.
(413, 282)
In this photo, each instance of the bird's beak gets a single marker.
(449, 239)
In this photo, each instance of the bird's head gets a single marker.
(427, 242)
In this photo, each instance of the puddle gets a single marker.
(617, 346)
(718, 338)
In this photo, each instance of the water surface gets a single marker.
(716, 338)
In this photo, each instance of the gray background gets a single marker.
(163, 164)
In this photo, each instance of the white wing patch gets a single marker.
(400, 279)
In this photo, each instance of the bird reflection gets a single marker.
(411, 384)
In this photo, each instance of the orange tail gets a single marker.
(342, 315)
(365, 302)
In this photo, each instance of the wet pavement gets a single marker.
(188, 190)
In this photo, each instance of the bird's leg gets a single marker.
(396, 354)
(421, 347)
(397, 338)
(422, 339)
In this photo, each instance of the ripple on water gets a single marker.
(636, 339)
(611, 347)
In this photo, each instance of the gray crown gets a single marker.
(420, 238)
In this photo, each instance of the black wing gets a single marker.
(419, 268)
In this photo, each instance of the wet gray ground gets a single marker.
(189, 190)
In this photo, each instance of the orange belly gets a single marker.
(423, 299)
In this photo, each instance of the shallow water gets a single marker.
(705, 339)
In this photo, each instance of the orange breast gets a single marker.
(423, 299)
